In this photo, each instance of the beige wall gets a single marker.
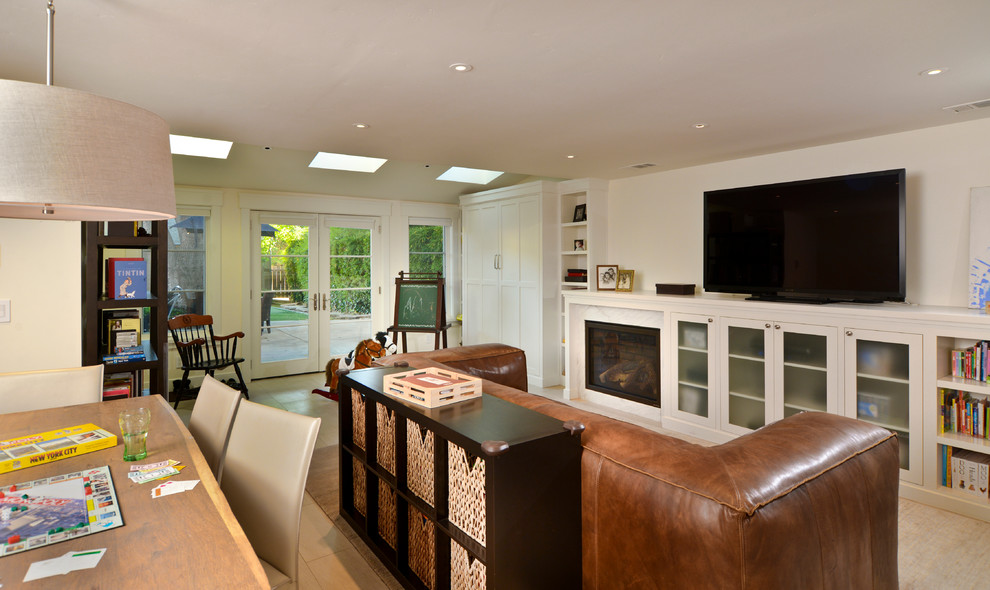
(40, 273)
(662, 241)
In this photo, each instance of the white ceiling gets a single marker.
(612, 83)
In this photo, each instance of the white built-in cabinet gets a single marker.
(883, 386)
(772, 369)
(694, 361)
(510, 257)
(729, 365)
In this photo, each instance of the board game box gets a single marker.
(35, 449)
(45, 511)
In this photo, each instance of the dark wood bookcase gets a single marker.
(493, 502)
(97, 238)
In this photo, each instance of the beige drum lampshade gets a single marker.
(68, 154)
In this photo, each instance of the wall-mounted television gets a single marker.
(828, 239)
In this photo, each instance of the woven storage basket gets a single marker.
(466, 492)
(386, 438)
(357, 419)
(360, 489)
(386, 513)
(422, 551)
(465, 573)
(420, 460)
(432, 387)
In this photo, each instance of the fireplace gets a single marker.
(623, 361)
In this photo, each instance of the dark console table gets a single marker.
(482, 494)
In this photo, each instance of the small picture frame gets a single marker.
(608, 275)
(579, 246)
(625, 280)
(580, 213)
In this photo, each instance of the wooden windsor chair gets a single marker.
(200, 350)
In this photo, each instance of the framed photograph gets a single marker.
(625, 280)
(580, 213)
(579, 245)
(608, 274)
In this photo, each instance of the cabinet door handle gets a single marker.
(849, 332)
(776, 326)
(711, 320)
(767, 325)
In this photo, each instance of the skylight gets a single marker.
(185, 145)
(471, 175)
(346, 162)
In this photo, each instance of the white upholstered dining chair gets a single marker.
(38, 390)
(211, 419)
(264, 478)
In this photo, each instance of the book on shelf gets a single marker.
(963, 413)
(970, 472)
(973, 362)
(125, 355)
(575, 279)
(116, 320)
(118, 385)
(127, 278)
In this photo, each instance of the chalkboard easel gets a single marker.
(420, 306)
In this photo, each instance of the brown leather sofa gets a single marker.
(808, 502)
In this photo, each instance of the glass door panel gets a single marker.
(692, 368)
(805, 379)
(747, 376)
(885, 389)
(351, 283)
(286, 317)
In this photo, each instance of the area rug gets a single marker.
(323, 485)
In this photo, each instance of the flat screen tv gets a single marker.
(822, 240)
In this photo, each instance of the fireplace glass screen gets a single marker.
(623, 361)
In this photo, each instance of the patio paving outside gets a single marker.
(288, 340)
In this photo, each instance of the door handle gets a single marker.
(324, 302)
(315, 301)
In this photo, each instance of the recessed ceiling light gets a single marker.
(700, 125)
(571, 157)
(931, 72)
(459, 67)
(185, 145)
(471, 175)
(362, 125)
(346, 162)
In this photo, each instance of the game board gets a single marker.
(45, 511)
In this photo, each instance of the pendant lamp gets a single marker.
(70, 155)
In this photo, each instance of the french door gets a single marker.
(317, 289)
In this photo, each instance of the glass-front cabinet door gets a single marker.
(747, 375)
(694, 364)
(775, 369)
(806, 375)
(885, 389)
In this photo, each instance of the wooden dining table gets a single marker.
(185, 540)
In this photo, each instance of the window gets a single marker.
(428, 247)
(187, 264)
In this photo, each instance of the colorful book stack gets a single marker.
(118, 385)
(963, 413)
(576, 275)
(972, 362)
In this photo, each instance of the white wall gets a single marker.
(655, 220)
(40, 273)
